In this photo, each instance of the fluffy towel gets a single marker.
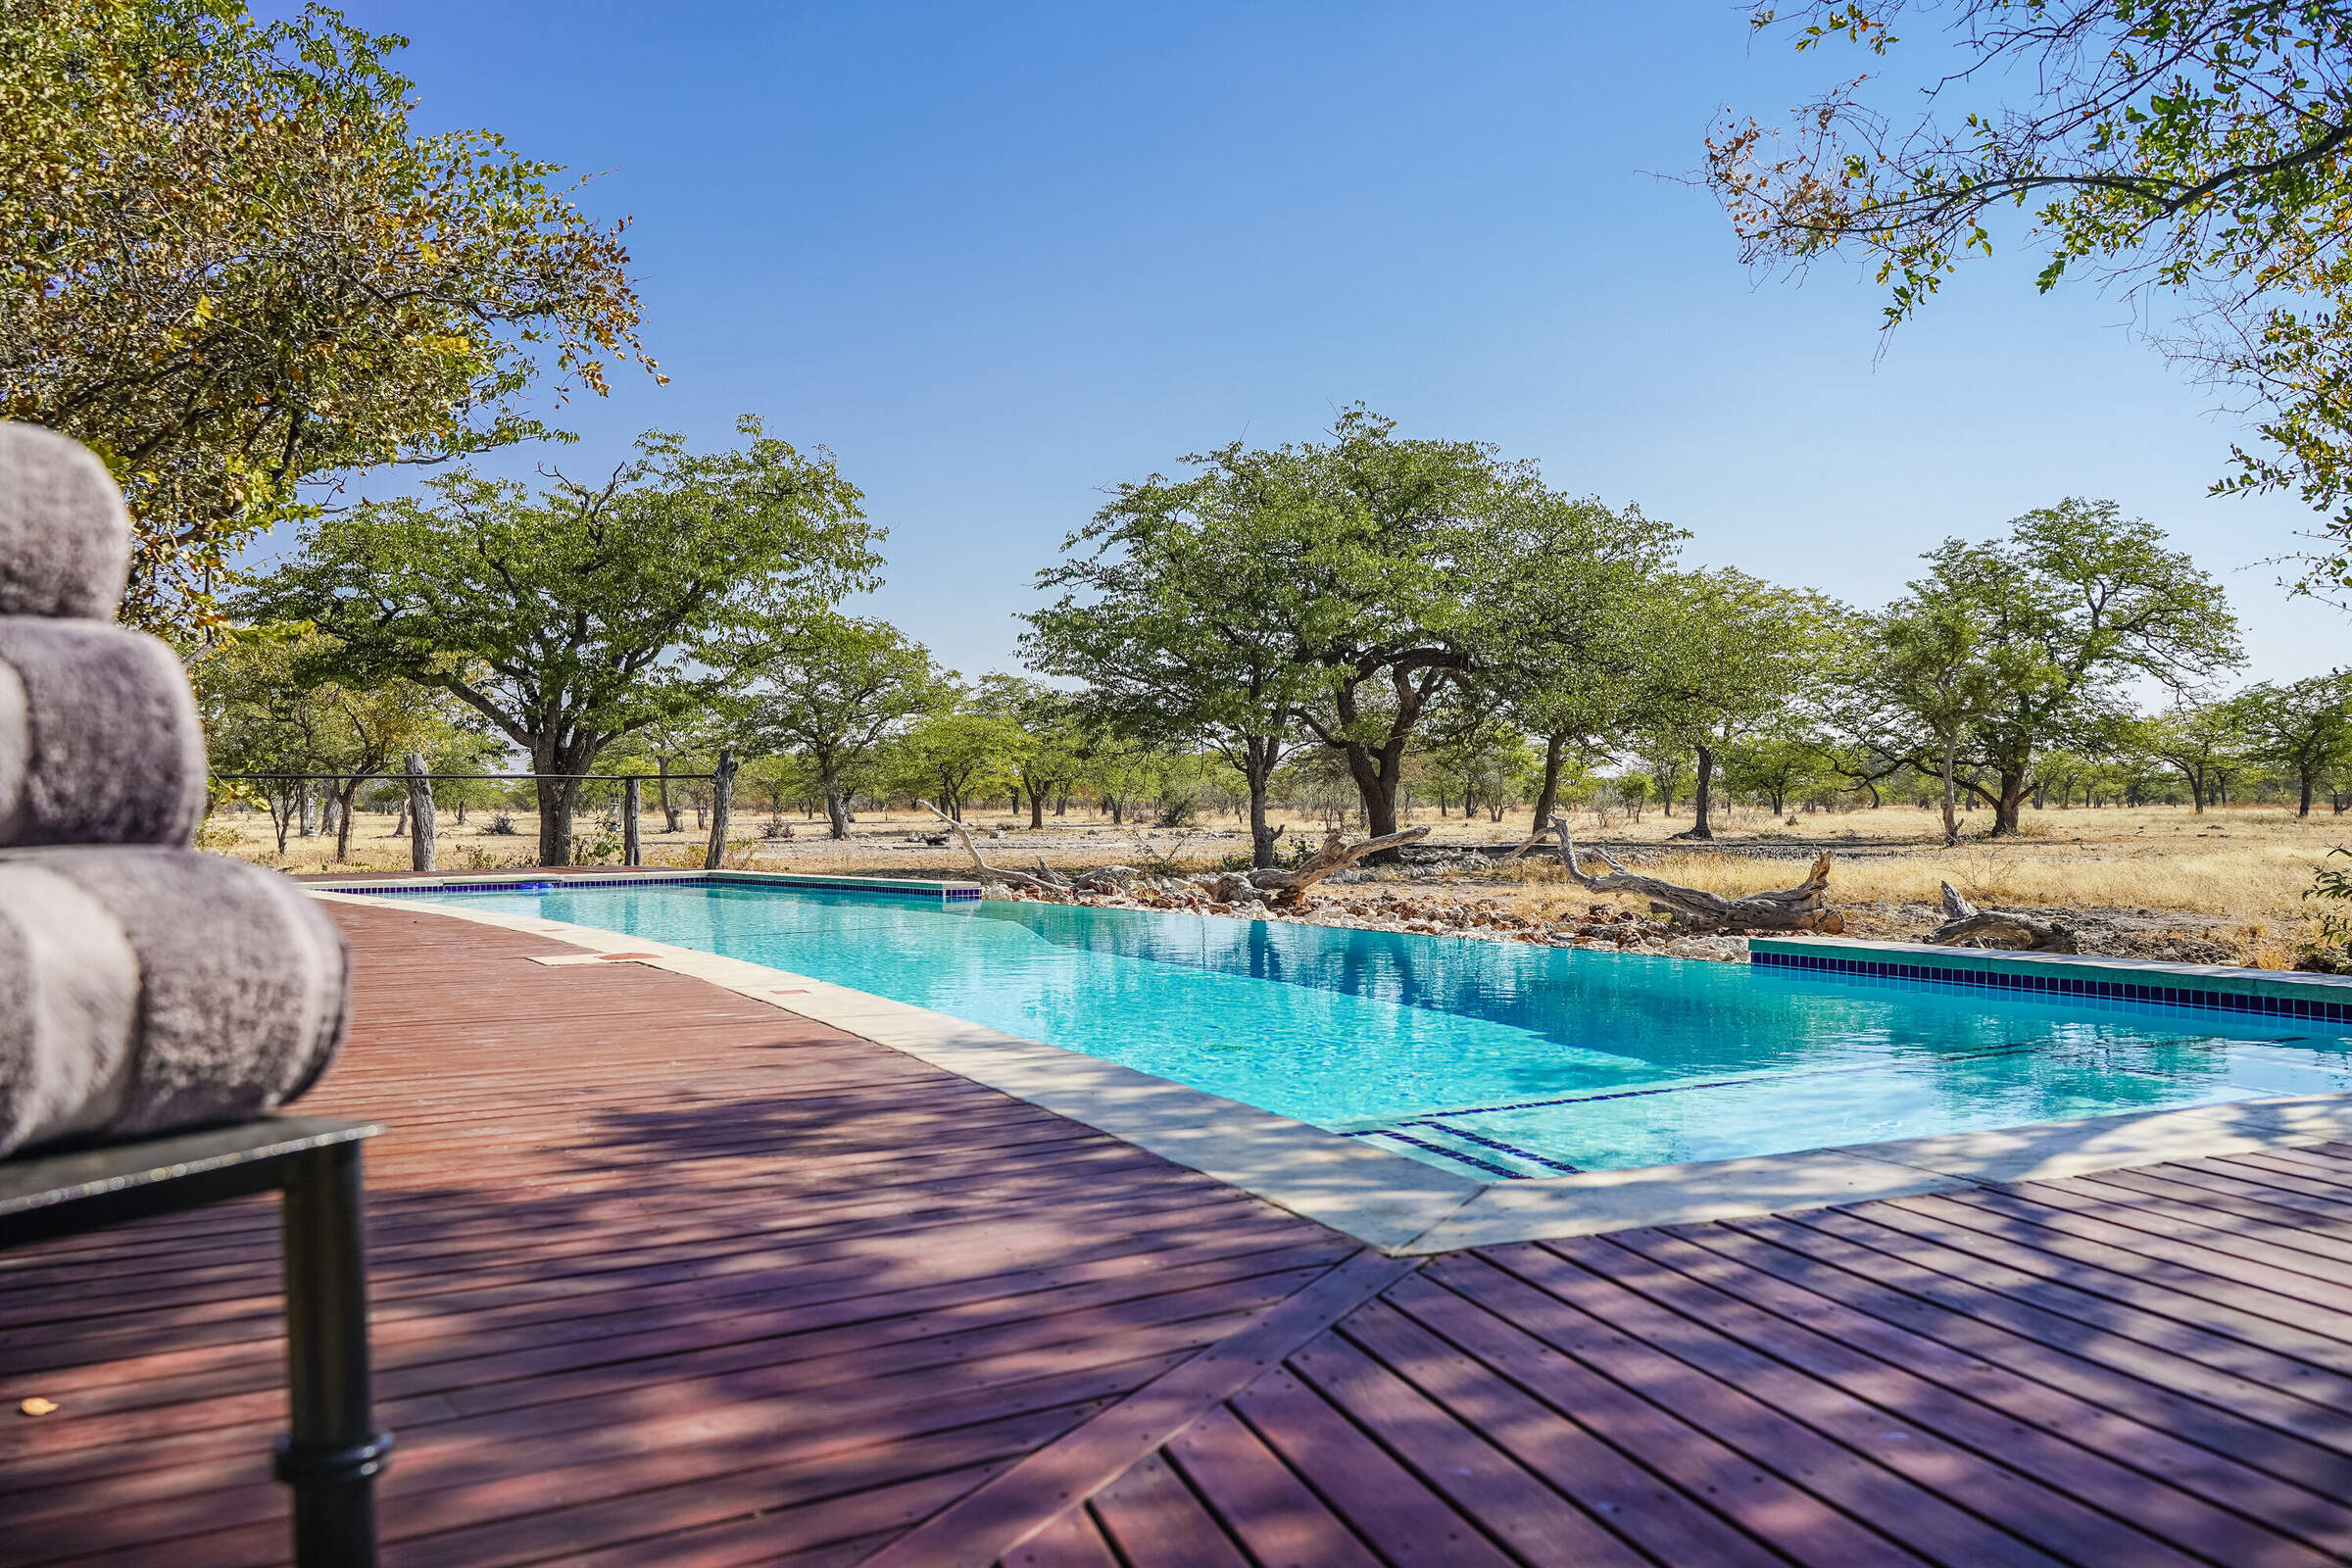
(241, 981)
(99, 738)
(65, 540)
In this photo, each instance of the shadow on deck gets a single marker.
(666, 1276)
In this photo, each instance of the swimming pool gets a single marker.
(1489, 1059)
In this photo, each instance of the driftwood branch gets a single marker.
(1803, 907)
(1963, 923)
(1336, 854)
(1524, 845)
(988, 872)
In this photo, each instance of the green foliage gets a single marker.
(2197, 149)
(587, 612)
(2304, 727)
(2205, 743)
(229, 265)
(836, 693)
(954, 754)
(1344, 588)
(2036, 639)
(1055, 743)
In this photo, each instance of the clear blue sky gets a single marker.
(1000, 256)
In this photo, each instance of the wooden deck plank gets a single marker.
(1525, 1334)
(671, 1252)
(2283, 1434)
(1879, 1462)
(1262, 1501)
(1414, 1526)
(2058, 1446)
(1152, 1520)
(667, 1276)
(1537, 1524)
(2161, 1285)
(2259, 1351)
(1073, 1540)
(1650, 1511)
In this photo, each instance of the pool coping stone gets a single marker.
(1398, 1203)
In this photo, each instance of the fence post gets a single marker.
(722, 795)
(631, 852)
(421, 815)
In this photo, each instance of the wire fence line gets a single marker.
(422, 827)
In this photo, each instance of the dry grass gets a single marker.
(2240, 863)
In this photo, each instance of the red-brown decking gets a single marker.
(664, 1276)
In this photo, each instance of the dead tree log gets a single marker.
(1803, 907)
(1336, 854)
(988, 872)
(1964, 922)
(1524, 845)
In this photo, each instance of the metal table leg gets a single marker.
(333, 1452)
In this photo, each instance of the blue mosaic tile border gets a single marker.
(2059, 984)
(394, 890)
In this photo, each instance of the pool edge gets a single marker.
(1408, 1209)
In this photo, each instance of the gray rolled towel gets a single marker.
(65, 539)
(99, 738)
(241, 986)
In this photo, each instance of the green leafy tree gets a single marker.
(2198, 150)
(1918, 681)
(261, 717)
(1054, 736)
(837, 694)
(1184, 607)
(1439, 566)
(2304, 727)
(364, 732)
(1730, 655)
(1346, 587)
(2075, 603)
(957, 752)
(1777, 768)
(584, 613)
(230, 264)
(2205, 743)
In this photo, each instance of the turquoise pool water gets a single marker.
(1487, 1057)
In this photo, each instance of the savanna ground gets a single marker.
(2224, 886)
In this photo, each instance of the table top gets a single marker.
(38, 1181)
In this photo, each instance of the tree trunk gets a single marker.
(670, 810)
(1803, 907)
(722, 801)
(2012, 801)
(1118, 810)
(1701, 796)
(1963, 921)
(632, 845)
(2304, 808)
(343, 800)
(558, 794)
(1037, 809)
(1336, 854)
(421, 815)
(837, 815)
(1547, 794)
(1377, 775)
(1951, 790)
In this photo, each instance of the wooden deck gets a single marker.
(664, 1276)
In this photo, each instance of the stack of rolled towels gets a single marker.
(144, 985)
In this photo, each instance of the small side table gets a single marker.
(333, 1451)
